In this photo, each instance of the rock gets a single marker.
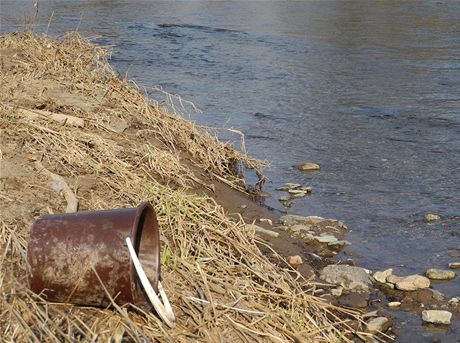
(394, 304)
(259, 229)
(382, 276)
(291, 219)
(370, 314)
(350, 278)
(295, 260)
(288, 186)
(315, 219)
(337, 292)
(306, 189)
(440, 274)
(284, 198)
(437, 295)
(379, 324)
(296, 191)
(436, 317)
(454, 300)
(300, 228)
(394, 279)
(355, 300)
(118, 125)
(326, 239)
(454, 265)
(299, 195)
(430, 217)
(337, 245)
(308, 166)
(412, 283)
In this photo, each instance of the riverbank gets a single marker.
(65, 113)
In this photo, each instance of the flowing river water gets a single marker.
(370, 90)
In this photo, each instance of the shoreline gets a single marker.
(201, 179)
(65, 109)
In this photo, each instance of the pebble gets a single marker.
(379, 324)
(436, 317)
(337, 292)
(295, 260)
(430, 217)
(454, 300)
(440, 274)
(394, 304)
(308, 166)
(382, 276)
(299, 195)
(288, 186)
(454, 265)
(299, 227)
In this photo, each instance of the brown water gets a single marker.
(368, 89)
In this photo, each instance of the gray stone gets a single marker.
(394, 279)
(295, 260)
(350, 278)
(287, 186)
(382, 276)
(291, 219)
(436, 317)
(371, 314)
(337, 245)
(440, 274)
(299, 195)
(454, 300)
(306, 189)
(337, 292)
(454, 265)
(326, 239)
(430, 217)
(437, 295)
(379, 324)
(308, 166)
(300, 228)
(259, 229)
(412, 283)
(118, 125)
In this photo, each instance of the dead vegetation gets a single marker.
(129, 150)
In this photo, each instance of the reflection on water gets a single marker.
(370, 90)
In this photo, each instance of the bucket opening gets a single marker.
(147, 246)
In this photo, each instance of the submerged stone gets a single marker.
(440, 274)
(430, 217)
(436, 317)
(308, 166)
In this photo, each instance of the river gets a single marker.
(370, 90)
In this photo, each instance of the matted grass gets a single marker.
(221, 286)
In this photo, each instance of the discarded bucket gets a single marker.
(67, 250)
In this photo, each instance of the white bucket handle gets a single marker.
(164, 309)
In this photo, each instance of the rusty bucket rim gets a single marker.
(136, 287)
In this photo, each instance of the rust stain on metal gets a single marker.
(64, 248)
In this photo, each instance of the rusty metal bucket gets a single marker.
(67, 250)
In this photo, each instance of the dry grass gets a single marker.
(221, 286)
